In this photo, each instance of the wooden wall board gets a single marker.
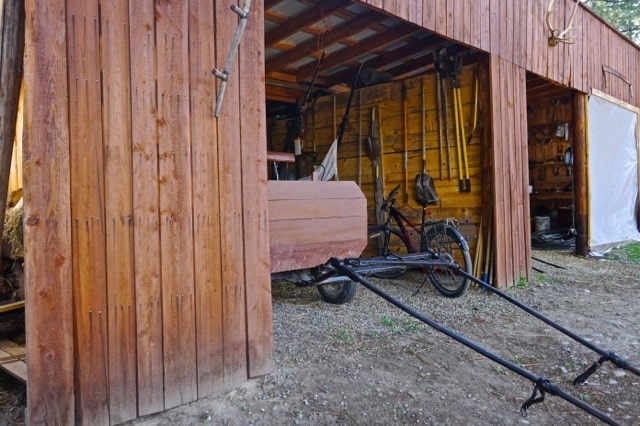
(176, 221)
(510, 173)
(146, 208)
(87, 212)
(118, 190)
(517, 32)
(231, 212)
(312, 221)
(47, 211)
(206, 193)
(254, 200)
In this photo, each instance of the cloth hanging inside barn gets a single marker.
(328, 168)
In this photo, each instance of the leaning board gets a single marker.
(312, 221)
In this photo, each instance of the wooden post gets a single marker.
(10, 76)
(580, 198)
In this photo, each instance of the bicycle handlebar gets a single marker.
(393, 193)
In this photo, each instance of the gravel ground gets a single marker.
(367, 362)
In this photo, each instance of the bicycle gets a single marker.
(441, 237)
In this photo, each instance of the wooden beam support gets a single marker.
(370, 44)
(311, 47)
(413, 47)
(580, 190)
(10, 77)
(322, 9)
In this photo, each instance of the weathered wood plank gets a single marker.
(12, 31)
(254, 201)
(206, 191)
(121, 316)
(87, 211)
(176, 221)
(146, 204)
(302, 237)
(232, 237)
(47, 211)
(500, 221)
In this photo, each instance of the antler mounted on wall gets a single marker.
(563, 36)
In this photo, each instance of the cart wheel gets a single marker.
(338, 292)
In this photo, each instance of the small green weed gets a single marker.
(584, 396)
(246, 408)
(345, 334)
(399, 328)
(570, 365)
(629, 252)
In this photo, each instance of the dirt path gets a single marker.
(366, 362)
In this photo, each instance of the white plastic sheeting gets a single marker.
(613, 174)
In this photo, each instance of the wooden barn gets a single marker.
(146, 175)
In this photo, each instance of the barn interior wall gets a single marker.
(355, 163)
(147, 258)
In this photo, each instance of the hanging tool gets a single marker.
(374, 146)
(424, 130)
(455, 68)
(224, 74)
(441, 69)
(439, 111)
(405, 142)
(360, 139)
(475, 105)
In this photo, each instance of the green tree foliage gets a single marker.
(622, 14)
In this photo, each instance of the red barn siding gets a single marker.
(146, 215)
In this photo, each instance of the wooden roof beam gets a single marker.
(310, 47)
(423, 61)
(410, 49)
(306, 18)
(368, 45)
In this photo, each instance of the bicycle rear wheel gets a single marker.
(384, 241)
(447, 242)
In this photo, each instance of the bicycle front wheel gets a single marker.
(447, 242)
(384, 241)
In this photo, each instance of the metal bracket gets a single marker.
(608, 70)
(224, 74)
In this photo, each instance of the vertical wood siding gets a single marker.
(510, 170)
(516, 31)
(138, 206)
(47, 212)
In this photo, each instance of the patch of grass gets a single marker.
(632, 252)
(345, 334)
(584, 396)
(400, 327)
(629, 252)
(570, 365)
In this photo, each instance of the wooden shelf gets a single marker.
(553, 196)
(549, 164)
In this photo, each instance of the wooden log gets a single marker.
(11, 54)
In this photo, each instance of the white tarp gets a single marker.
(613, 174)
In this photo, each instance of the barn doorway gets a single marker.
(551, 134)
